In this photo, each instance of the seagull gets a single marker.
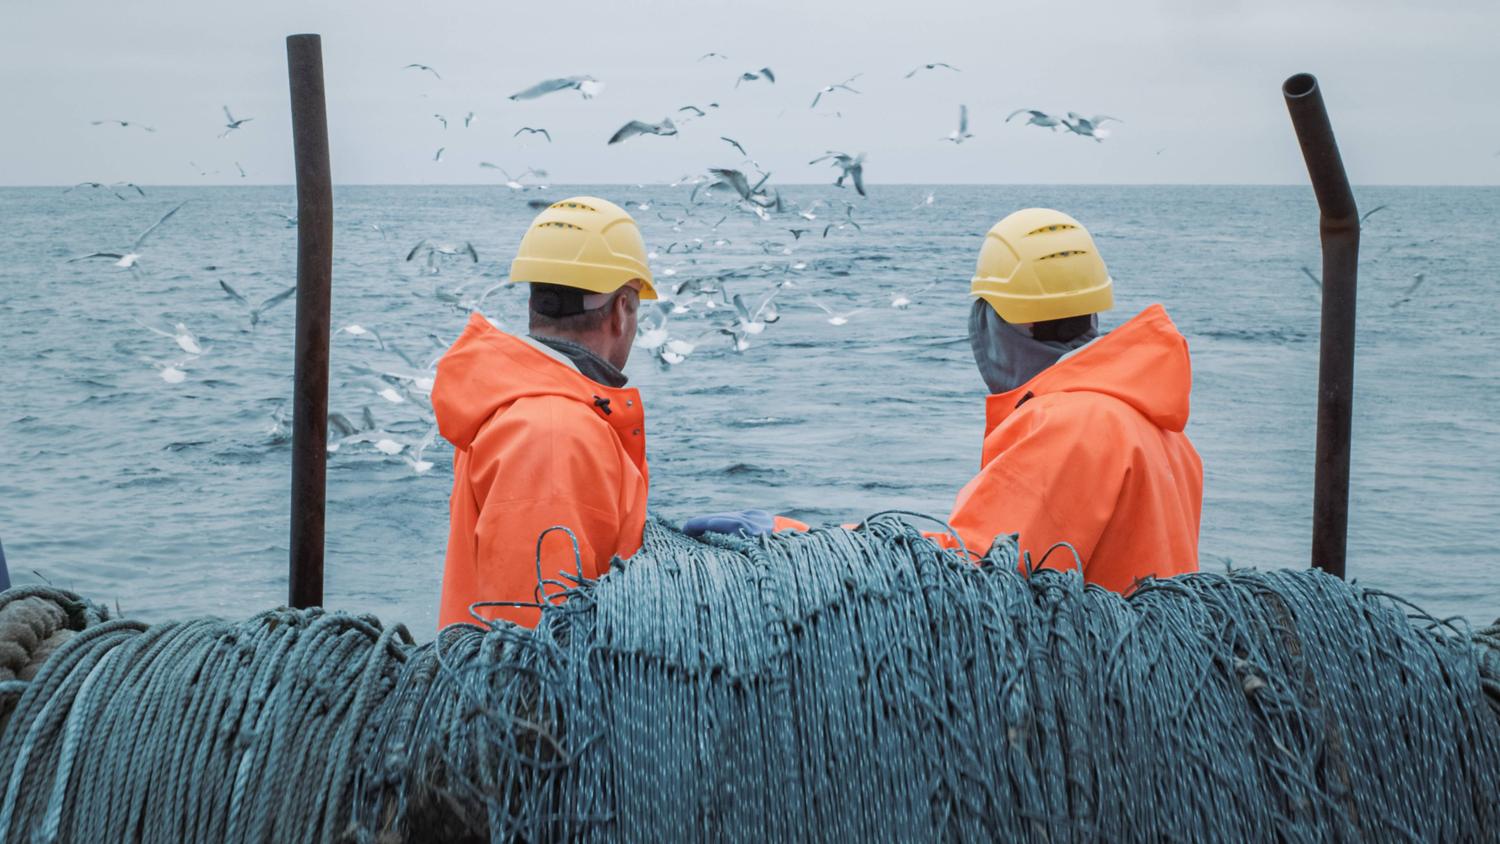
(367, 431)
(932, 66)
(674, 352)
(1311, 276)
(798, 233)
(515, 183)
(736, 144)
(416, 463)
(852, 167)
(437, 157)
(422, 67)
(468, 118)
(1088, 127)
(837, 86)
(836, 318)
(752, 75)
(639, 127)
(902, 301)
(357, 330)
(530, 131)
(1415, 283)
(588, 86)
(1368, 214)
(712, 56)
(110, 188)
(257, 310)
(433, 250)
(185, 339)
(239, 168)
(697, 112)
(441, 119)
(755, 323)
(233, 124)
(124, 124)
(1037, 118)
(291, 219)
(926, 202)
(127, 259)
(172, 373)
(960, 134)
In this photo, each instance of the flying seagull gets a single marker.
(588, 86)
(752, 75)
(736, 144)
(257, 310)
(441, 119)
(514, 183)
(468, 118)
(1088, 127)
(232, 123)
(712, 56)
(960, 134)
(437, 157)
(1037, 118)
(640, 127)
(185, 339)
(110, 187)
(835, 318)
(422, 67)
(124, 124)
(932, 66)
(851, 167)
(241, 169)
(837, 86)
(530, 131)
(127, 258)
(1416, 281)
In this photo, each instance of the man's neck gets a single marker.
(588, 362)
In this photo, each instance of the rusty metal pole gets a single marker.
(304, 58)
(1339, 230)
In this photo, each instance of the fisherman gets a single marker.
(544, 430)
(1084, 440)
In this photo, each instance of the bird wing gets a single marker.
(115, 255)
(233, 294)
(438, 156)
(1368, 214)
(1010, 116)
(629, 130)
(544, 87)
(154, 226)
(912, 73)
(825, 308)
(857, 172)
(700, 112)
(816, 97)
(415, 249)
(275, 300)
(736, 144)
(341, 423)
(227, 115)
(469, 249)
(963, 119)
(739, 308)
(766, 72)
(1100, 118)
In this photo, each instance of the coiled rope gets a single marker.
(829, 685)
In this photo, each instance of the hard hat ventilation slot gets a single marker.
(1058, 227)
(576, 205)
(558, 224)
(1064, 254)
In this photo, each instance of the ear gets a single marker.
(620, 311)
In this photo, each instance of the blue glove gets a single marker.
(746, 522)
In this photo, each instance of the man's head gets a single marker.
(586, 262)
(1039, 286)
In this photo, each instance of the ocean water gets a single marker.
(171, 498)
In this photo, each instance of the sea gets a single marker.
(155, 480)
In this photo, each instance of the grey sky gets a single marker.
(1412, 88)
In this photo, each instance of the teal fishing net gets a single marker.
(828, 685)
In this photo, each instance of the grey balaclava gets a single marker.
(1007, 355)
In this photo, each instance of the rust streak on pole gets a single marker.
(304, 56)
(1339, 230)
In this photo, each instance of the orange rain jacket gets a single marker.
(536, 444)
(1092, 452)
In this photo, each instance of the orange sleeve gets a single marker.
(546, 461)
(781, 523)
(1056, 476)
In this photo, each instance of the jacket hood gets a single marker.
(487, 370)
(1143, 363)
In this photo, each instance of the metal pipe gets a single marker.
(1339, 231)
(304, 58)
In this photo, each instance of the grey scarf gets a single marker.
(1007, 354)
(592, 366)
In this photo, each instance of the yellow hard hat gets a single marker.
(1038, 265)
(584, 242)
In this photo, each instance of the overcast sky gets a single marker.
(1412, 88)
